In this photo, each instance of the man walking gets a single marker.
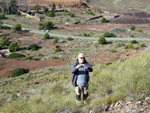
(80, 78)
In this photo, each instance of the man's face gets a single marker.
(81, 59)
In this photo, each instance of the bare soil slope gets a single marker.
(7, 65)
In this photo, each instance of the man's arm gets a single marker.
(89, 67)
(74, 69)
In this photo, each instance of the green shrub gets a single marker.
(58, 50)
(70, 39)
(113, 51)
(18, 27)
(55, 40)
(16, 55)
(108, 63)
(130, 46)
(142, 45)
(102, 40)
(18, 72)
(46, 36)
(4, 42)
(132, 27)
(13, 46)
(33, 47)
(103, 20)
(140, 30)
(134, 42)
(109, 35)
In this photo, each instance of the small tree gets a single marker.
(4, 42)
(13, 7)
(53, 7)
(102, 40)
(103, 20)
(49, 25)
(13, 46)
(46, 36)
(132, 27)
(18, 27)
(18, 72)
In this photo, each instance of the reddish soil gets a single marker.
(7, 65)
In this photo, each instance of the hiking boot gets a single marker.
(85, 96)
(78, 97)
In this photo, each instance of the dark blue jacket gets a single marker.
(74, 71)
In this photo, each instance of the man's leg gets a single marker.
(85, 92)
(78, 93)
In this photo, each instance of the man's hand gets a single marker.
(78, 66)
(86, 67)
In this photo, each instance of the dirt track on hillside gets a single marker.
(7, 65)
